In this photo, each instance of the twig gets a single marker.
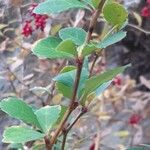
(47, 142)
(65, 133)
(138, 28)
(64, 140)
(71, 108)
(93, 64)
(79, 69)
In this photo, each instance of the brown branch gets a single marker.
(47, 143)
(71, 107)
(64, 140)
(65, 133)
(79, 69)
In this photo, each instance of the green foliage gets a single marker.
(17, 134)
(102, 87)
(67, 46)
(71, 44)
(95, 82)
(89, 2)
(115, 14)
(47, 116)
(18, 109)
(16, 146)
(111, 39)
(95, 3)
(88, 49)
(77, 35)
(46, 48)
(57, 6)
(62, 87)
(65, 81)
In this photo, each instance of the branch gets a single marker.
(138, 28)
(79, 69)
(65, 132)
(71, 108)
(93, 64)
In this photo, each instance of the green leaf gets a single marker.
(115, 14)
(63, 110)
(18, 109)
(111, 39)
(45, 48)
(89, 2)
(66, 81)
(47, 116)
(57, 6)
(67, 46)
(38, 147)
(102, 88)
(77, 35)
(88, 49)
(15, 146)
(61, 87)
(146, 145)
(95, 3)
(95, 82)
(17, 134)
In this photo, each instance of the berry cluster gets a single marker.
(36, 21)
(134, 119)
(146, 10)
(117, 81)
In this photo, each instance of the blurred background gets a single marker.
(121, 115)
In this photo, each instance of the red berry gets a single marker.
(117, 81)
(134, 119)
(92, 147)
(148, 1)
(27, 29)
(145, 12)
(40, 21)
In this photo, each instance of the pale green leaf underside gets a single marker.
(18, 109)
(112, 39)
(47, 116)
(77, 35)
(46, 48)
(57, 6)
(17, 134)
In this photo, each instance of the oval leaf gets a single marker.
(115, 14)
(17, 134)
(18, 109)
(94, 82)
(47, 116)
(57, 6)
(67, 46)
(45, 48)
(111, 39)
(77, 35)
